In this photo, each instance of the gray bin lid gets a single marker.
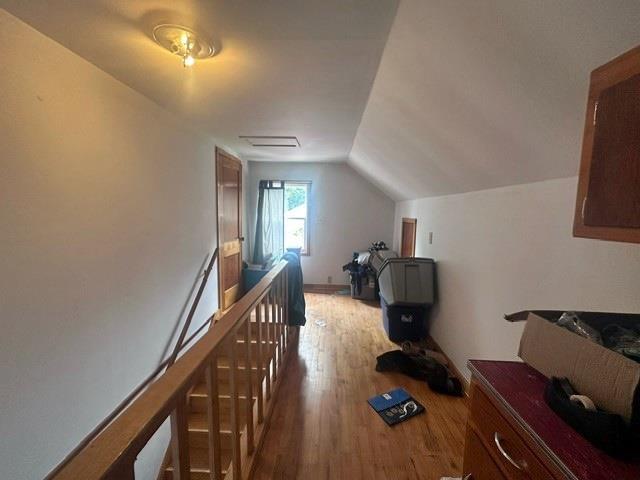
(407, 281)
(378, 257)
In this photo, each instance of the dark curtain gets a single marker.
(269, 241)
(297, 304)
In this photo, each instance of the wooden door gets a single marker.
(229, 193)
(408, 244)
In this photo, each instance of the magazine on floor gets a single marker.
(396, 406)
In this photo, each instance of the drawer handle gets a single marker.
(498, 439)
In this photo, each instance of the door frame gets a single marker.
(222, 155)
(413, 221)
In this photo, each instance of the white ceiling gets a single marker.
(472, 95)
(296, 68)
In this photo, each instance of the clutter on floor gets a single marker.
(363, 270)
(362, 278)
(421, 367)
(396, 406)
(415, 349)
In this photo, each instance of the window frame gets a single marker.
(306, 251)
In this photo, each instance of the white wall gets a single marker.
(107, 207)
(510, 249)
(347, 213)
(476, 95)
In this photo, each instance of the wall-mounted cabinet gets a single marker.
(608, 202)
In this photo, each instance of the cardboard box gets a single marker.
(610, 379)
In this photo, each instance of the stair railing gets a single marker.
(192, 310)
(179, 346)
(264, 311)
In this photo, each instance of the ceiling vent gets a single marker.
(271, 141)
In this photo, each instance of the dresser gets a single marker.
(513, 435)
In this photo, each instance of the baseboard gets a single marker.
(465, 383)
(324, 288)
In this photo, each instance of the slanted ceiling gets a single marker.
(474, 95)
(300, 68)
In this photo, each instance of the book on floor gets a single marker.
(396, 406)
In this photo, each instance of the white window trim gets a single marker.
(307, 240)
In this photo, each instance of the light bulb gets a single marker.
(188, 61)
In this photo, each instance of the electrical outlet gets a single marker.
(329, 279)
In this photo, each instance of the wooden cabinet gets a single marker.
(493, 448)
(503, 443)
(512, 434)
(608, 200)
(477, 461)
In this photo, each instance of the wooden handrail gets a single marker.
(113, 452)
(192, 310)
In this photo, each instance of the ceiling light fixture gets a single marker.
(183, 42)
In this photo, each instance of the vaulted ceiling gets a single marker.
(287, 67)
(467, 95)
(472, 95)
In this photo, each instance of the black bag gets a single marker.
(426, 369)
(605, 430)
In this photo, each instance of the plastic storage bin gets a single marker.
(407, 293)
(378, 257)
(402, 322)
(407, 281)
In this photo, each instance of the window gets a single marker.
(296, 215)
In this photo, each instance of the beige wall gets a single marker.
(347, 213)
(107, 206)
(510, 249)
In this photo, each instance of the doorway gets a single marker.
(229, 213)
(408, 244)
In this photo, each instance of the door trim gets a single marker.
(410, 221)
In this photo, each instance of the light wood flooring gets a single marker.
(322, 426)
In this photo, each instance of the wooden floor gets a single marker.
(322, 426)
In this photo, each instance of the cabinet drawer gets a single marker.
(478, 464)
(506, 446)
